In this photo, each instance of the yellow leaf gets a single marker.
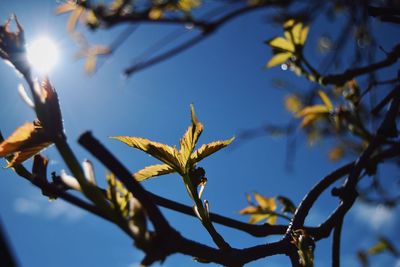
(90, 18)
(188, 5)
(255, 218)
(278, 59)
(309, 119)
(326, 100)
(189, 140)
(164, 153)
(155, 13)
(289, 23)
(16, 139)
(336, 153)
(99, 50)
(297, 32)
(293, 103)
(152, 171)
(25, 142)
(66, 7)
(249, 210)
(304, 34)
(312, 110)
(208, 149)
(265, 203)
(90, 64)
(272, 219)
(73, 19)
(281, 43)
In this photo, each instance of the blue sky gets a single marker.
(224, 77)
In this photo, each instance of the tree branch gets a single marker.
(340, 79)
(336, 244)
(161, 225)
(6, 254)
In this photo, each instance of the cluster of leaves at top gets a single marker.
(326, 118)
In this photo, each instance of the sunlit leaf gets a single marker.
(265, 203)
(90, 18)
(189, 140)
(304, 34)
(293, 103)
(90, 64)
(152, 171)
(325, 99)
(278, 59)
(164, 153)
(188, 5)
(312, 110)
(73, 19)
(289, 23)
(296, 32)
(309, 119)
(281, 43)
(382, 246)
(272, 219)
(249, 210)
(336, 153)
(25, 142)
(255, 218)
(208, 149)
(66, 7)
(155, 13)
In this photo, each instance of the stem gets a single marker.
(311, 68)
(204, 215)
(91, 191)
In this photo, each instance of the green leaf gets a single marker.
(208, 149)
(152, 171)
(382, 246)
(278, 59)
(168, 155)
(190, 138)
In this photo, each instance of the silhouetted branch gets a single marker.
(161, 225)
(387, 14)
(340, 79)
(336, 244)
(7, 257)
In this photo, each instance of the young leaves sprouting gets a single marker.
(311, 114)
(182, 161)
(291, 45)
(265, 208)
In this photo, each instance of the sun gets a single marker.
(42, 55)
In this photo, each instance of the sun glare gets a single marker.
(42, 55)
